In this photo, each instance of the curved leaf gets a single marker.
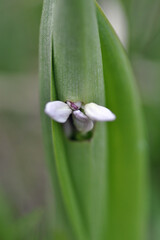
(126, 142)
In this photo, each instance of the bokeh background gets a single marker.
(25, 191)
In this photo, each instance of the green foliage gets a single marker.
(13, 228)
(101, 183)
(126, 141)
(19, 34)
(144, 27)
(144, 48)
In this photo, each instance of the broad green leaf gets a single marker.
(77, 75)
(127, 217)
(77, 62)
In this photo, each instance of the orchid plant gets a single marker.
(99, 182)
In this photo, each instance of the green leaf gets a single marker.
(126, 142)
(77, 75)
(46, 77)
(77, 62)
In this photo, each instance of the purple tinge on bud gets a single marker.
(74, 105)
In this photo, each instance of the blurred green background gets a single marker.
(25, 191)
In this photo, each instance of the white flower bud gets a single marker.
(60, 111)
(82, 122)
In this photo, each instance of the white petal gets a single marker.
(82, 122)
(78, 104)
(98, 113)
(58, 111)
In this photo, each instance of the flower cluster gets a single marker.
(83, 116)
